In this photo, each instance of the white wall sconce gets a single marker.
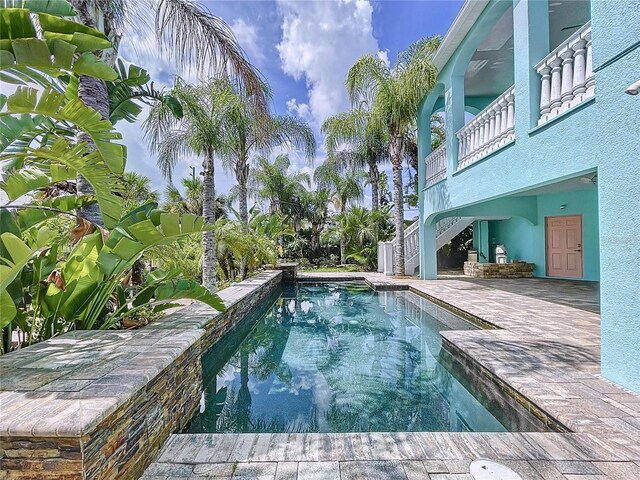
(633, 89)
(563, 207)
(589, 180)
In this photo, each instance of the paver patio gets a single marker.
(544, 352)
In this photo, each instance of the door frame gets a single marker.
(546, 244)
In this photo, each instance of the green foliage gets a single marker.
(361, 230)
(36, 43)
(52, 279)
(89, 288)
(131, 88)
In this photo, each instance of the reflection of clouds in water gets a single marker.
(306, 306)
(228, 374)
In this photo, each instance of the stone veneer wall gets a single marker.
(101, 404)
(499, 270)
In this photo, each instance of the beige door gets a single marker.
(564, 246)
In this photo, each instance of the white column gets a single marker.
(566, 93)
(545, 93)
(590, 79)
(503, 116)
(556, 84)
(476, 137)
(579, 69)
(498, 111)
(510, 111)
(492, 127)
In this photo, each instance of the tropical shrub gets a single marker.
(48, 284)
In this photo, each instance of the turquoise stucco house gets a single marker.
(542, 150)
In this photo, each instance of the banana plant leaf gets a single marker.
(25, 55)
(54, 105)
(144, 228)
(31, 215)
(161, 286)
(61, 161)
(16, 255)
(62, 8)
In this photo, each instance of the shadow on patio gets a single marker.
(579, 294)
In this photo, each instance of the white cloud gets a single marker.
(302, 110)
(320, 42)
(384, 56)
(248, 38)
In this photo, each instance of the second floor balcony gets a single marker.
(480, 112)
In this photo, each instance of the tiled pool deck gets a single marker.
(545, 353)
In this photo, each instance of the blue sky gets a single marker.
(304, 49)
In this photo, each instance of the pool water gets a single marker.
(339, 357)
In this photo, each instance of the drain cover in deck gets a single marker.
(483, 469)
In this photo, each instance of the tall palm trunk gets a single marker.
(315, 236)
(343, 242)
(374, 179)
(208, 212)
(93, 93)
(398, 201)
(242, 176)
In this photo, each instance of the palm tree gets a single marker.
(274, 183)
(137, 191)
(395, 94)
(185, 31)
(198, 132)
(367, 146)
(317, 212)
(346, 189)
(250, 130)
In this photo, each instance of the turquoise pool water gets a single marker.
(342, 358)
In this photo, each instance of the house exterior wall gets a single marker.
(599, 136)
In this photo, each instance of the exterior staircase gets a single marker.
(446, 230)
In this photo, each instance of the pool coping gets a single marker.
(100, 404)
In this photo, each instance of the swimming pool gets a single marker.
(339, 357)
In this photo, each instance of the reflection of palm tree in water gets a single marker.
(244, 395)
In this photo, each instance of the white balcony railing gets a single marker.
(436, 165)
(411, 241)
(492, 128)
(566, 75)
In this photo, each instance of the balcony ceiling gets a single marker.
(565, 17)
(570, 185)
(490, 71)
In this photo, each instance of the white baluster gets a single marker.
(556, 85)
(510, 115)
(503, 118)
(476, 137)
(566, 94)
(480, 137)
(579, 70)
(485, 141)
(498, 111)
(545, 92)
(492, 128)
(590, 79)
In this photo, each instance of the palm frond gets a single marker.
(195, 38)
